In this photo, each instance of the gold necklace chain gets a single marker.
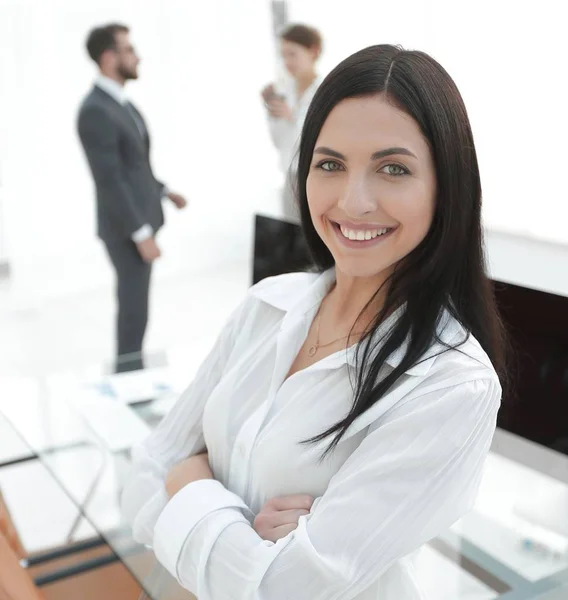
(312, 350)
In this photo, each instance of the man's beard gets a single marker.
(127, 73)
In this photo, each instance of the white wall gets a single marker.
(509, 61)
(3, 251)
(203, 65)
(348, 26)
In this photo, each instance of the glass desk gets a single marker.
(80, 534)
(513, 546)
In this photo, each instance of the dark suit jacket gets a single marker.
(128, 194)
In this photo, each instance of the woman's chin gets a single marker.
(357, 268)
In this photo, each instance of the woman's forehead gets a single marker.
(370, 121)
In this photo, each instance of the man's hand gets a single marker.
(148, 250)
(280, 516)
(186, 472)
(178, 200)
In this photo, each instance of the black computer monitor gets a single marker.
(279, 247)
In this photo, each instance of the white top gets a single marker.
(286, 134)
(116, 91)
(406, 470)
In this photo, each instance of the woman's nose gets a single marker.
(357, 198)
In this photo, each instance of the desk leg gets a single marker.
(87, 499)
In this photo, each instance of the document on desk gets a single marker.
(136, 386)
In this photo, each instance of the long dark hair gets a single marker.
(447, 269)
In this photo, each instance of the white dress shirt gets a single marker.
(112, 88)
(286, 134)
(116, 91)
(406, 470)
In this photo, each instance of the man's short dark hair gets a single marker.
(103, 38)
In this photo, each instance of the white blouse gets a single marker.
(406, 470)
(286, 134)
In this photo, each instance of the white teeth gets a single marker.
(361, 234)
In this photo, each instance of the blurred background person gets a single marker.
(287, 102)
(129, 211)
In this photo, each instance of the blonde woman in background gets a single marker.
(287, 103)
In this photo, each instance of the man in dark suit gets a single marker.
(129, 210)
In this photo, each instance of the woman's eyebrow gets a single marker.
(379, 154)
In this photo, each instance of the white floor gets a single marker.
(65, 332)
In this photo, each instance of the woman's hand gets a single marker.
(275, 103)
(268, 92)
(280, 516)
(189, 470)
(279, 109)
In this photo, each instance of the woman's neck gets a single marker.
(346, 304)
(304, 81)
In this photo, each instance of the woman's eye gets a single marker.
(329, 165)
(394, 170)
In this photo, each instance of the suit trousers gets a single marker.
(132, 290)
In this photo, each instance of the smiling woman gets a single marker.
(343, 417)
(387, 143)
(372, 172)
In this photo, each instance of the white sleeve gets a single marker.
(141, 235)
(286, 137)
(283, 133)
(410, 479)
(178, 436)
